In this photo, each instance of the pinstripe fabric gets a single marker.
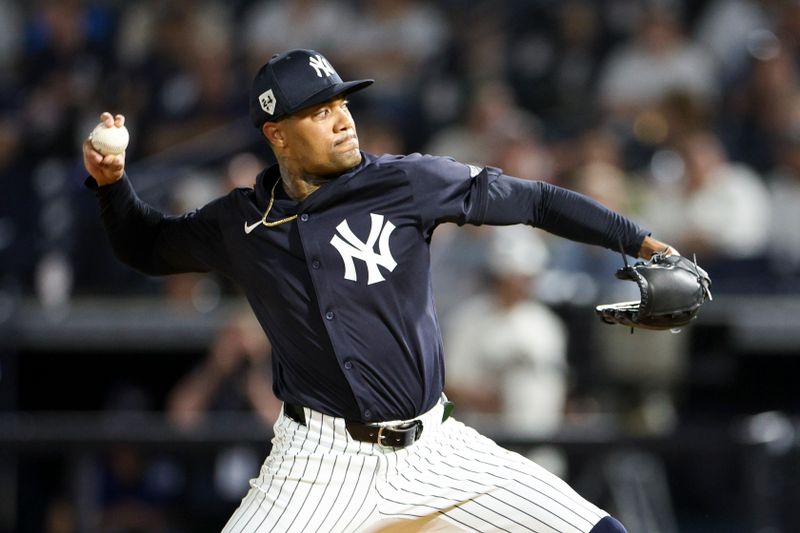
(318, 479)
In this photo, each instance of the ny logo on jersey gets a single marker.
(321, 65)
(351, 247)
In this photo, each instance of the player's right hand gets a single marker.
(104, 169)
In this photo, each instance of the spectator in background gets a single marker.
(10, 36)
(234, 376)
(727, 28)
(271, 27)
(394, 42)
(594, 145)
(59, 517)
(759, 108)
(639, 379)
(711, 206)
(242, 169)
(523, 151)
(458, 265)
(379, 136)
(580, 52)
(677, 115)
(67, 54)
(555, 55)
(786, 21)
(492, 117)
(136, 489)
(784, 185)
(659, 59)
(63, 52)
(506, 354)
(132, 498)
(189, 73)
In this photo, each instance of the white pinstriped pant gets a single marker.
(319, 479)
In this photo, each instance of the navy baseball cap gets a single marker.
(295, 80)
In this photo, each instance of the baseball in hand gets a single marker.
(109, 141)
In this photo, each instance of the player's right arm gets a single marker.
(143, 237)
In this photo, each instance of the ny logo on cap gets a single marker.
(267, 101)
(321, 65)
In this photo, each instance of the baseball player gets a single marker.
(331, 250)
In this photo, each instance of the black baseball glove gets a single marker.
(673, 288)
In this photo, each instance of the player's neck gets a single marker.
(298, 185)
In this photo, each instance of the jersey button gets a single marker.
(329, 315)
(315, 264)
(304, 217)
(348, 365)
(367, 414)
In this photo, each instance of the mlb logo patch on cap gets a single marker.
(267, 101)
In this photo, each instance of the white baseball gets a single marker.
(109, 141)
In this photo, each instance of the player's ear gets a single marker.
(274, 134)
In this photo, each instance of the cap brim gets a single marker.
(346, 87)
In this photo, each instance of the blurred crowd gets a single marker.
(684, 115)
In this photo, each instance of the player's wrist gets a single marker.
(104, 181)
(651, 246)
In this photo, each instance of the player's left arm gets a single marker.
(448, 191)
(568, 214)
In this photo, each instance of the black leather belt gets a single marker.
(396, 436)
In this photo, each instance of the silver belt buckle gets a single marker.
(380, 434)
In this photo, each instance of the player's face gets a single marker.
(322, 140)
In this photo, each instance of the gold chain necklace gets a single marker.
(269, 208)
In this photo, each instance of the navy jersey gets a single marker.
(343, 291)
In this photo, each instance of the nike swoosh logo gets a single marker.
(251, 227)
